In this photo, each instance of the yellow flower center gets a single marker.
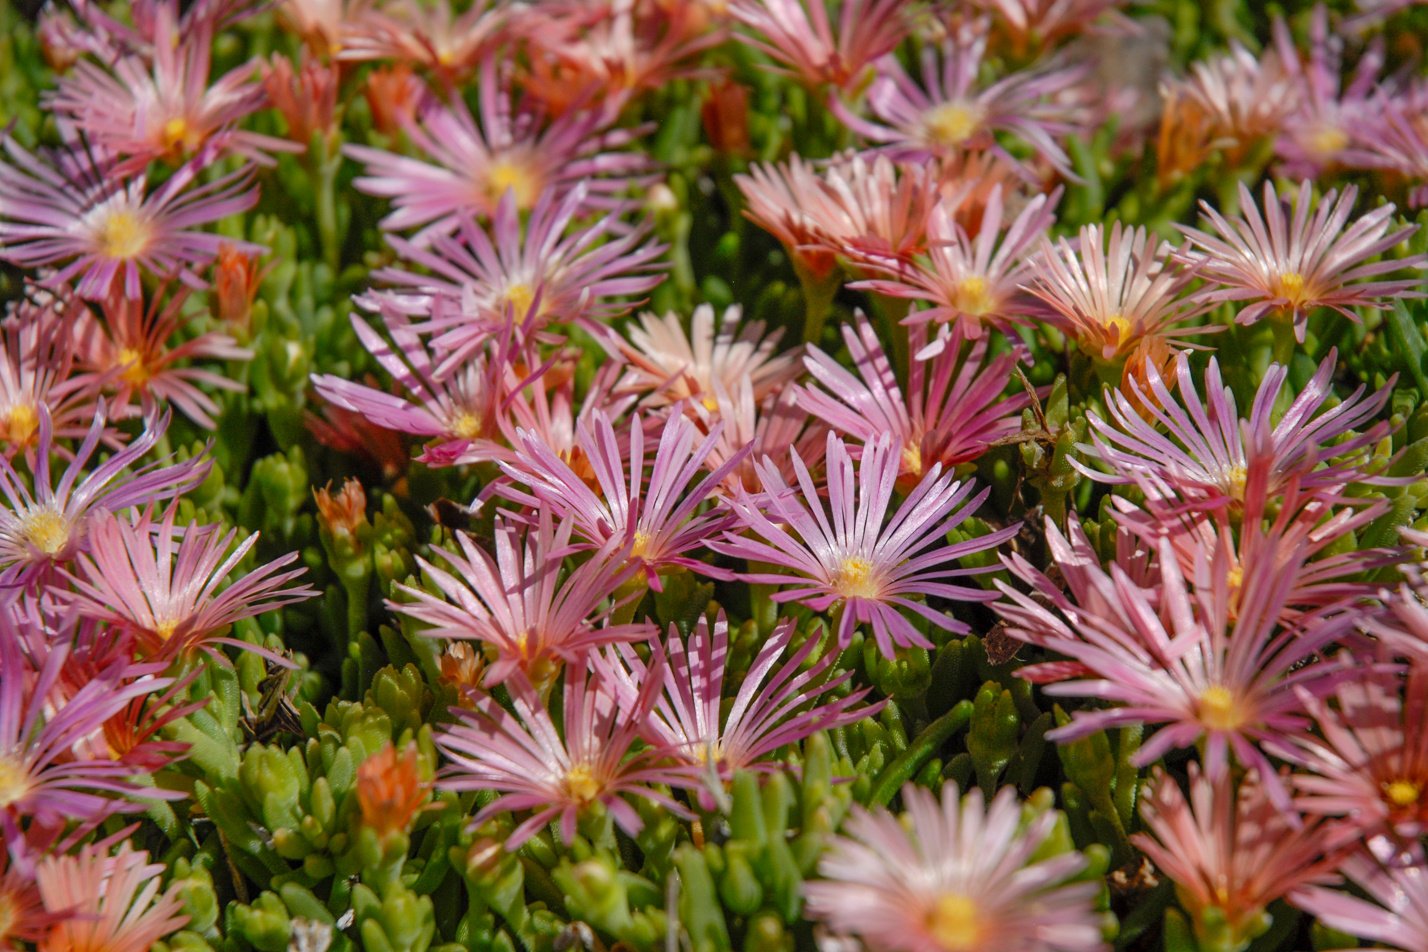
(956, 924)
(973, 296)
(912, 459)
(18, 425)
(178, 132)
(639, 545)
(952, 123)
(710, 404)
(1290, 286)
(123, 235)
(1326, 141)
(135, 373)
(854, 578)
(1402, 793)
(520, 296)
(1235, 481)
(581, 784)
(47, 532)
(504, 175)
(165, 629)
(14, 784)
(1220, 710)
(1118, 329)
(466, 425)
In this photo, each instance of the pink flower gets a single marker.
(771, 709)
(1231, 851)
(1394, 139)
(1287, 268)
(432, 36)
(521, 605)
(1395, 914)
(973, 283)
(1244, 95)
(161, 582)
(560, 774)
(533, 270)
(775, 430)
(1209, 457)
(45, 523)
(1202, 653)
(872, 565)
(656, 516)
(798, 35)
(166, 107)
(948, 115)
(954, 876)
(674, 365)
(461, 413)
(512, 147)
(1112, 294)
(49, 773)
(104, 231)
(36, 359)
(954, 413)
(109, 902)
(130, 349)
(1369, 761)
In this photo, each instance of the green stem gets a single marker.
(910, 761)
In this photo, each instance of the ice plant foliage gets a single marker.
(783, 446)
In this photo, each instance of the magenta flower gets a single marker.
(1211, 458)
(871, 564)
(108, 902)
(1393, 140)
(129, 351)
(551, 269)
(461, 413)
(955, 412)
(48, 774)
(37, 351)
(771, 709)
(973, 283)
(1288, 267)
(1112, 294)
(161, 583)
(948, 115)
(657, 517)
(674, 365)
(511, 148)
(520, 605)
(1395, 914)
(798, 35)
(1204, 654)
(164, 107)
(1231, 851)
(44, 523)
(954, 875)
(1369, 761)
(561, 773)
(104, 232)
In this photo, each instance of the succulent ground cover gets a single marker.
(937, 476)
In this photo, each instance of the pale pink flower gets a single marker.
(774, 430)
(165, 107)
(872, 209)
(1246, 96)
(771, 709)
(951, 112)
(1287, 267)
(954, 875)
(1210, 457)
(873, 565)
(44, 522)
(104, 232)
(161, 582)
(1231, 850)
(1111, 292)
(973, 282)
(1395, 914)
(431, 35)
(954, 410)
(1202, 654)
(777, 198)
(36, 361)
(675, 365)
(656, 516)
(560, 774)
(110, 902)
(799, 35)
(530, 614)
(1394, 139)
(1039, 24)
(512, 148)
